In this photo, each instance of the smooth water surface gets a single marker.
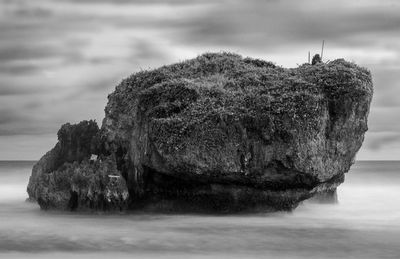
(364, 224)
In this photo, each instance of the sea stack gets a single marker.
(216, 133)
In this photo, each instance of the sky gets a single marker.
(59, 59)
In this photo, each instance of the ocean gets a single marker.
(365, 223)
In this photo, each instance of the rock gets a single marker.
(83, 186)
(222, 132)
(68, 178)
(74, 144)
(325, 197)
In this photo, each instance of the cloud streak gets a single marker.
(60, 59)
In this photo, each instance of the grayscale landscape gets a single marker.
(199, 129)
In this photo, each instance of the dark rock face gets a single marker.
(64, 178)
(217, 132)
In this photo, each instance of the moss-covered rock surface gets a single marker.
(223, 132)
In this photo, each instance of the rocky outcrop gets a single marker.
(326, 197)
(217, 132)
(66, 178)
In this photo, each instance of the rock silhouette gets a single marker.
(215, 133)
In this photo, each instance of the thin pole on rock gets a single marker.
(309, 57)
(322, 50)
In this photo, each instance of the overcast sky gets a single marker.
(60, 59)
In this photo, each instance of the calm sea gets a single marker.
(364, 224)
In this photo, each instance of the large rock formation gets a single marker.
(217, 132)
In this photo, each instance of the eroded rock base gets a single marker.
(326, 197)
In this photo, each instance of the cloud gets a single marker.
(6, 117)
(384, 119)
(387, 86)
(18, 69)
(380, 146)
(138, 2)
(24, 117)
(379, 141)
(145, 50)
(9, 89)
(269, 24)
(25, 51)
(26, 147)
(60, 59)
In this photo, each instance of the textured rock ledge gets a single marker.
(219, 132)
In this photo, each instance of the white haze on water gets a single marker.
(364, 224)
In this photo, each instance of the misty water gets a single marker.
(364, 224)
